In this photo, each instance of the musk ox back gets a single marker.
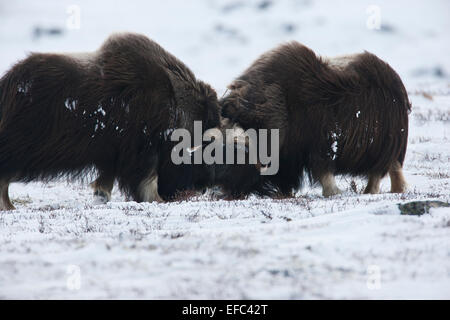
(346, 115)
(111, 110)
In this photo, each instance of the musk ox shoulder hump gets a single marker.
(121, 42)
(132, 45)
(290, 55)
(374, 72)
(48, 68)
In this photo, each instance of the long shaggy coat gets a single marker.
(346, 115)
(111, 110)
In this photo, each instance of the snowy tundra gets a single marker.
(60, 244)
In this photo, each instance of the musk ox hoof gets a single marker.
(8, 207)
(398, 182)
(399, 189)
(5, 202)
(371, 190)
(101, 197)
(329, 192)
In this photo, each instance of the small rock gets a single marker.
(418, 208)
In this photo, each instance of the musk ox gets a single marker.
(111, 111)
(344, 115)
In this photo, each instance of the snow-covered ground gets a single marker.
(59, 244)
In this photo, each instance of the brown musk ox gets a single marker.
(112, 111)
(345, 115)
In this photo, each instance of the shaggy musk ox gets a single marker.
(111, 110)
(345, 115)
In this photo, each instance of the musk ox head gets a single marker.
(223, 158)
(238, 170)
(213, 152)
(196, 102)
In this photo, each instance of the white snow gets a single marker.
(334, 147)
(70, 104)
(101, 110)
(60, 244)
(24, 87)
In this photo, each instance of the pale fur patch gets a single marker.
(398, 182)
(373, 185)
(84, 58)
(5, 202)
(148, 189)
(340, 62)
(329, 187)
(102, 192)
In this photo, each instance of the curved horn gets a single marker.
(212, 133)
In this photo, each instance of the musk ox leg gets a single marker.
(329, 187)
(5, 202)
(103, 186)
(373, 185)
(398, 182)
(148, 189)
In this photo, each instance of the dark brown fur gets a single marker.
(363, 106)
(62, 115)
